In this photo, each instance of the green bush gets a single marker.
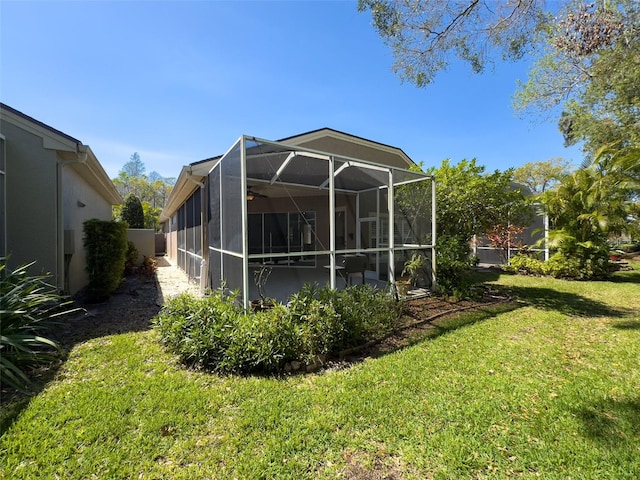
(131, 258)
(106, 246)
(453, 265)
(28, 308)
(216, 334)
(588, 264)
(525, 264)
(198, 329)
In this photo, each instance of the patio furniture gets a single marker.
(354, 266)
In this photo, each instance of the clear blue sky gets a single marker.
(180, 81)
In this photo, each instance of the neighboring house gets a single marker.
(532, 239)
(315, 207)
(50, 183)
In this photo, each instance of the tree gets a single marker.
(585, 209)
(132, 212)
(134, 167)
(131, 180)
(425, 35)
(591, 69)
(540, 176)
(469, 202)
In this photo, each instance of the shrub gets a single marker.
(216, 334)
(525, 264)
(28, 308)
(148, 268)
(453, 264)
(106, 246)
(198, 330)
(131, 258)
(262, 342)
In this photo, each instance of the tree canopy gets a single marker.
(132, 212)
(426, 35)
(591, 70)
(152, 191)
(540, 176)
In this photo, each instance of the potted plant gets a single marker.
(260, 277)
(414, 268)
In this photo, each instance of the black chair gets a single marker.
(354, 266)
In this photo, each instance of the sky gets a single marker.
(181, 81)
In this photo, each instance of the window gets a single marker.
(282, 233)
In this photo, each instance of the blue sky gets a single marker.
(178, 82)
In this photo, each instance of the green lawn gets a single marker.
(547, 389)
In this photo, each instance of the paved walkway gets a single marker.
(172, 281)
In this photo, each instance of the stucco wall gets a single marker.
(31, 185)
(79, 203)
(145, 241)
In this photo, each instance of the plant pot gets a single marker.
(402, 286)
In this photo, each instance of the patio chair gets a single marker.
(354, 266)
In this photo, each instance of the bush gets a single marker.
(28, 308)
(148, 268)
(592, 264)
(525, 264)
(453, 264)
(216, 334)
(106, 246)
(131, 258)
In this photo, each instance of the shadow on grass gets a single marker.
(611, 422)
(414, 334)
(565, 303)
(626, 276)
(130, 309)
(627, 325)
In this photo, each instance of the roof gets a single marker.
(4, 106)
(323, 139)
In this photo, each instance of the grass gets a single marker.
(550, 389)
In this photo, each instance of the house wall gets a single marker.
(318, 204)
(31, 201)
(80, 203)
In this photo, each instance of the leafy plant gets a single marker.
(28, 308)
(216, 334)
(106, 246)
(415, 268)
(131, 258)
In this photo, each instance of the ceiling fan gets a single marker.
(252, 194)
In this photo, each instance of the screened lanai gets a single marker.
(313, 217)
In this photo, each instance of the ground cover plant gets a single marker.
(546, 389)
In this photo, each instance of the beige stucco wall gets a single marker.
(79, 204)
(145, 241)
(42, 194)
(31, 201)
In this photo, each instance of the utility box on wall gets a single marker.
(145, 241)
(69, 242)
